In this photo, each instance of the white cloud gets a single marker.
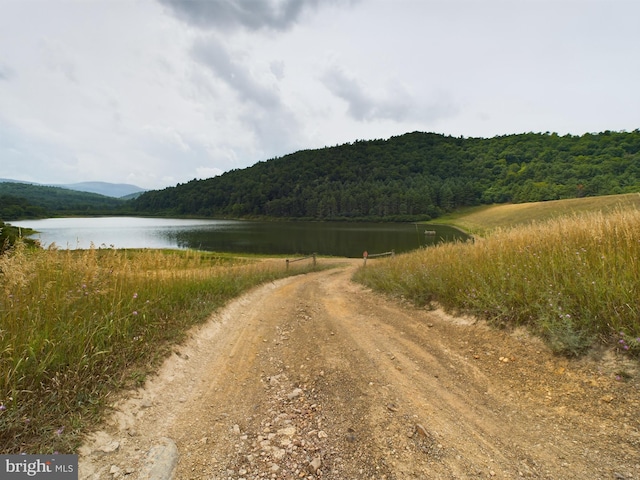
(393, 101)
(249, 14)
(5, 72)
(237, 76)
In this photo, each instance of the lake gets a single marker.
(344, 239)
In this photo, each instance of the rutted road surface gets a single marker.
(318, 377)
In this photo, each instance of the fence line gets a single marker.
(373, 255)
(313, 255)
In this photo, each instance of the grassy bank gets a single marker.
(483, 219)
(76, 326)
(573, 279)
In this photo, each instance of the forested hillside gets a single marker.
(413, 176)
(12, 208)
(23, 200)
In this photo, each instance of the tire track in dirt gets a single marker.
(316, 376)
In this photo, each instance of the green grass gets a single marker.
(76, 326)
(574, 279)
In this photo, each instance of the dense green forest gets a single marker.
(411, 177)
(12, 208)
(23, 200)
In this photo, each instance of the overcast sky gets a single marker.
(159, 92)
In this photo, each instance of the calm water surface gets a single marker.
(289, 238)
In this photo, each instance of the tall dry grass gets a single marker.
(485, 218)
(75, 326)
(572, 279)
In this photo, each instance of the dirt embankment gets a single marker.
(317, 377)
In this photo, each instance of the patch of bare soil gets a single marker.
(318, 377)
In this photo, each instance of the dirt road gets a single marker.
(317, 377)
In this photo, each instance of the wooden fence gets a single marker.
(313, 255)
(366, 255)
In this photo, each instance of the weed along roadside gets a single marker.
(77, 326)
(573, 280)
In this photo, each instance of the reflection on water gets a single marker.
(325, 238)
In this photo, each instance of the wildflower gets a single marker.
(621, 341)
(135, 312)
(135, 295)
(3, 407)
(59, 431)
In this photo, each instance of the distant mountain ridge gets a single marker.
(115, 190)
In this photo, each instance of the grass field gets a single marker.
(573, 278)
(77, 326)
(483, 219)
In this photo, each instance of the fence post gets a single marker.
(314, 260)
(287, 264)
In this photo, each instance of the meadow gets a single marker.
(573, 279)
(483, 219)
(78, 326)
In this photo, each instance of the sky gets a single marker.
(160, 92)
